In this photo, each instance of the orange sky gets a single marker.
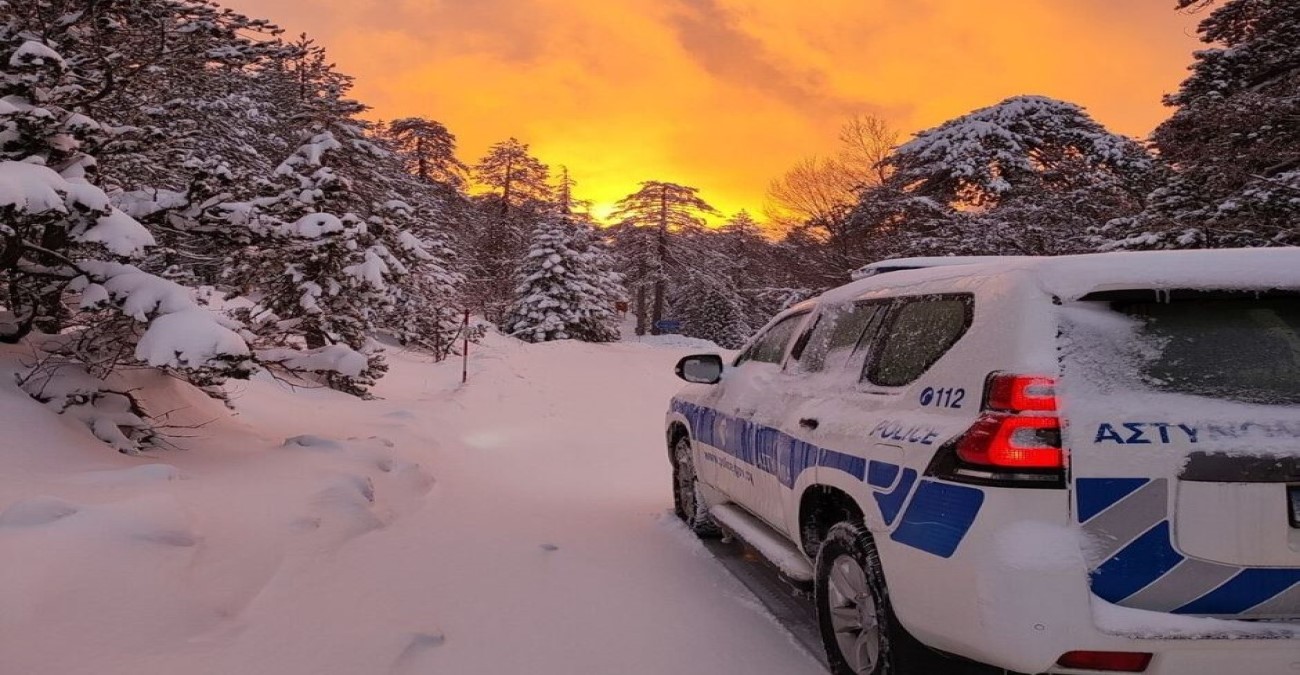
(725, 95)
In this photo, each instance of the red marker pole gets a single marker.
(464, 364)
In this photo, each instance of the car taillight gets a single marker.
(1019, 428)
(1016, 440)
(1020, 393)
(999, 439)
(1111, 662)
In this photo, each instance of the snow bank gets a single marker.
(249, 554)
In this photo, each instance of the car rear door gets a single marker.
(1181, 414)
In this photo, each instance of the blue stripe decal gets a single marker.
(1146, 559)
(891, 502)
(1095, 495)
(939, 517)
(881, 474)
(767, 449)
(854, 466)
(936, 521)
(1249, 588)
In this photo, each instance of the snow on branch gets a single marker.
(180, 333)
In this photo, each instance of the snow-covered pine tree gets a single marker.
(64, 248)
(1030, 175)
(189, 119)
(1233, 142)
(712, 308)
(426, 309)
(563, 292)
(498, 233)
(317, 269)
(652, 254)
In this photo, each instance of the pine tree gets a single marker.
(498, 233)
(563, 293)
(65, 250)
(1030, 175)
(317, 265)
(652, 256)
(711, 308)
(1232, 141)
(517, 178)
(427, 150)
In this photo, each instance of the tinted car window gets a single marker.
(770, 347)
(1242, 348)
(919, 332)
(837, 335)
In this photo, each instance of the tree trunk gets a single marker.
(658, 314)
(640, 311)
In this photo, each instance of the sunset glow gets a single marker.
(725, 95)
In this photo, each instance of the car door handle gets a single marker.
(809, 423)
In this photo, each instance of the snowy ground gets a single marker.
(516, 525)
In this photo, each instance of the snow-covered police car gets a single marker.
(1078, 464)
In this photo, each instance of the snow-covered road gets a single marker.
(518, 524)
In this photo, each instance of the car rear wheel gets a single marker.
(858, 627)
(688, 501)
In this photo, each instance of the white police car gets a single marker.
(1047, 465)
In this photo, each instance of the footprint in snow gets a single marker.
(36, 511)
(414, 657)
(311, 442)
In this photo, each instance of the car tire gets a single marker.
(688, 500)
(858, 627)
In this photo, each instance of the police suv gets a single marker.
(1077, 464)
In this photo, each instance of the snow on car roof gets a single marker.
(899, 264)
(1072, 277)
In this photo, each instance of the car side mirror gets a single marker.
(700, 368)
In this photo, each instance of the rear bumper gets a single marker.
(1017, 597)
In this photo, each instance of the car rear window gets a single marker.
(918, 333)
(1241, 347)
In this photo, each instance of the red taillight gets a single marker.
(1013, 441)
(1112, 662)
(1018, 429)
(1021, 393)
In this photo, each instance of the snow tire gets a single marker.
(859, 631)
(688, 500)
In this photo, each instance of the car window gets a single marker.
(770, 346)
(1237, 347)
(919, 331)
(839, 332)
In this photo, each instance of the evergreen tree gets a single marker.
(499, 229)
(1232, 141)
(711, 308)
(652, 256)
(427, 150)
(563, 291)
(64, 248)
(517, 178)
(1030, 175)
(319, 269)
